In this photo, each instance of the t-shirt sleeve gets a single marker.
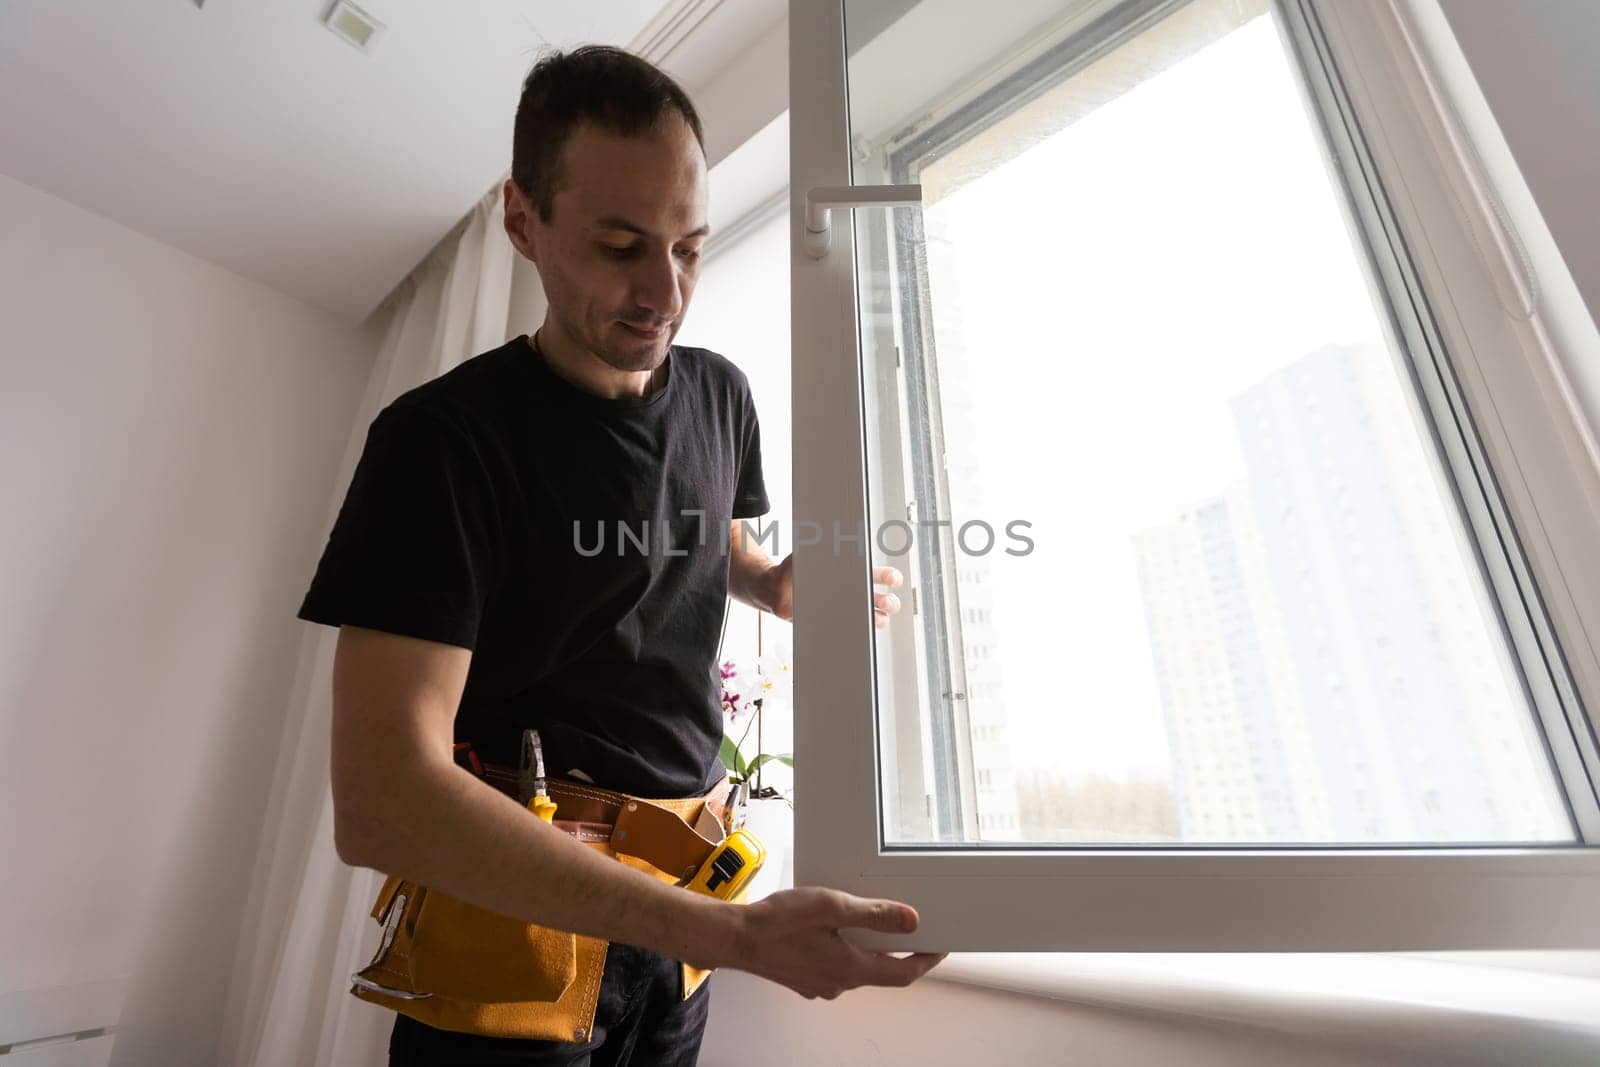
(750, 496)
(413, 550)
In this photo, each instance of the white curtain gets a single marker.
(306, 926)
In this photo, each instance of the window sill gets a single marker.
(1481, 1007)
(1467, 1007)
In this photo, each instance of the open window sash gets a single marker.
(888, 790)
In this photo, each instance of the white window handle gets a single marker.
(821, 201)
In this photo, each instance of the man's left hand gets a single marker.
(884, 604)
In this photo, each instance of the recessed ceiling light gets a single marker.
(354, 25)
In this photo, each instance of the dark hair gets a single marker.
(614, 89)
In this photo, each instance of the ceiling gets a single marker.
(246, 133)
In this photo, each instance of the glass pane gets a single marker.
(1187, 567)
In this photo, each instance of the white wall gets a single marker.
(169, 436)
(751, 91)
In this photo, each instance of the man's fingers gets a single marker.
(884, 916)
(884, 604)
(886, 969)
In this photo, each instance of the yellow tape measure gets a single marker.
(731, 865)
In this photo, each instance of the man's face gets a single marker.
(621, 251)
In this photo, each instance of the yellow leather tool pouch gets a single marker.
(456, 966)
(441, 945)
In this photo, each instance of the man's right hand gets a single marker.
(792, 938)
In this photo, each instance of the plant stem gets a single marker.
(747, 731)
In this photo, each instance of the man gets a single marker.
(472, 603)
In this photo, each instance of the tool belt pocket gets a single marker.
(434, 944)
(456, 966)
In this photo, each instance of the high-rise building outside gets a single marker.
(1329, 664)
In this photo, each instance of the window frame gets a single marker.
(1269, 899)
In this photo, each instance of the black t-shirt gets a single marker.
(577, 544)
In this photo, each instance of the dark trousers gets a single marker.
(640, 1018)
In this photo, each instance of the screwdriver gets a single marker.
(531, 773)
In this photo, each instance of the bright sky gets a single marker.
(1119, 283)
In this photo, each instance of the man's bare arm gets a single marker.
(403, 807)
(754, 577)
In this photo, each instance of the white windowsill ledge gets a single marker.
(1526, 1007)
(1463, 1008)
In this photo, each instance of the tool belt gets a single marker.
(456, 966)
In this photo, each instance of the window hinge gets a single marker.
(915, 608)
